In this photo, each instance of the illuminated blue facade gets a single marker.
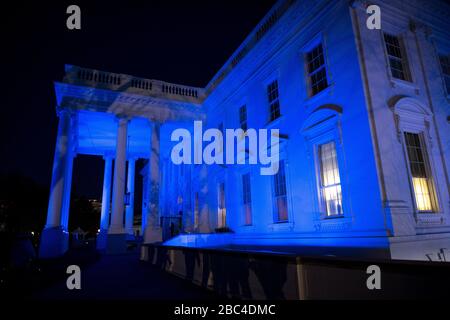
(349, 107)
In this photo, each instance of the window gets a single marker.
(222, 214)
(397, 57)
(274, 103)
(330, 181)
(196, 211)
(317, 73)
(243, 117)
(280, 199)
(445, 66)
(221, 147)
(422, 184)
(247, 199)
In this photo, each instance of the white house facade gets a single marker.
(364, 135)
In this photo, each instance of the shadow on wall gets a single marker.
(229, 275)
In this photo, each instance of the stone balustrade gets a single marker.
(126, 83)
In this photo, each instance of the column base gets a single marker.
(102, 239)
(116, 243)
(54, 242)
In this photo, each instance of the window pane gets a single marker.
(396, 57)
(222, 210)
(333, 200)
(422, 193)
(330, 179)
(280, 200)
(422, 184)
(282, 209)
(274, 104)
(317, 74)
(243, 117)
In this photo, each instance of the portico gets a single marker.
(119, 118)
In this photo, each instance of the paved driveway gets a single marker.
(125, 277)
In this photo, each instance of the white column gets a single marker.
(54, 238)
(67, 193)
(106, 195)
(118, 207)
(129, 215)
(152, 231)
(59, 172)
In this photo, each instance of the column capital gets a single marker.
(152, 122)
(122, 118)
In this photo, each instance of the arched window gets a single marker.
(413, 122)
(321, 131)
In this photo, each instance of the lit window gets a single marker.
(397, 57)
(243, 117)
(317, 73)
(422, 184)
(247, 198)
(445, 66)
(280, 200)
(222, 214)
(330, 181)
(274, 103)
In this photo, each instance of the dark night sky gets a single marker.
(177, 41)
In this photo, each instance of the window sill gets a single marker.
(281, 226)
(325, 92)
(246, 228)
(332, 217)
(429, 218)
(273, 123)
(404, 84)
(333, 224)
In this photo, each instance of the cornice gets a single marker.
(122, 103)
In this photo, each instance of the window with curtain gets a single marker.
(247, 199)
(280, 199)
(222, 214)
(330, 181)
(196, 210)
(421, 180)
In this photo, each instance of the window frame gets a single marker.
(220, 213)
(313, 45)
(274, 101)
(322, 126)
(322, 187)
(405, 61)
(249, 200)
(275, 211)
(429, 172)
(241, 120)
(412, 116)
(196, 210)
